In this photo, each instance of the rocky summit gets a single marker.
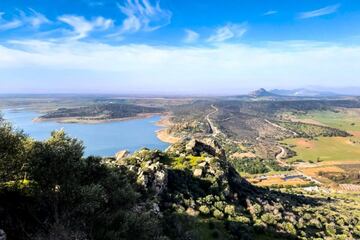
(194, 179)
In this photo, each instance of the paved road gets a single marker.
(214, 129)
(279, 157)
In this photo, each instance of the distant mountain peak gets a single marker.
(261, 92)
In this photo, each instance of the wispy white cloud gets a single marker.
(36, 19)
(224, 67)
(320, 12)
(7, 25)
(30, 18)
(229, 31)
(141, 15)
(270, 12)
(191, 36)
(82, 27)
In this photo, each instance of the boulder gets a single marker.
(121, 154)
(2, 235)
(209, 146)
(198, 172)
(153, 177)
(192, 212)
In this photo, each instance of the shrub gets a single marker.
(217, 214)
(289, 228)
(268, 218)
(204, 210)
(230, 210)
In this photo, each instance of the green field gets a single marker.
(325, 149)
(348, 119)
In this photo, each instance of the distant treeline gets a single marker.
(105, 111)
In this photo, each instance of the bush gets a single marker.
(217, 214)
(268, 218)
(289, 228)
(230, 210)
(204, 210)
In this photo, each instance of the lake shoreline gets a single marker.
(164, 133)
(77, 120)
(99, 139)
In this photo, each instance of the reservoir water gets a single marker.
(102, 139)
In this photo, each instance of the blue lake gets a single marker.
(102, 139)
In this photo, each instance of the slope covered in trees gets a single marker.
(48, 190)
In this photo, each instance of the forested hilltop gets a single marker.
(101, 112)
(48, 190)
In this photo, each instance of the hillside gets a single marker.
(262, 93)
(50, 191)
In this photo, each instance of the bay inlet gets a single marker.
(100, 139)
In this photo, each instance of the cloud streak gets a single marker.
(320, 12)
(270, 12)
(222, 68)
(227, 32)
(191, 36)
(141, 15)
(30, 18)
(82, 27)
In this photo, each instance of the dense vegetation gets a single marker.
(103, 111)
(48, 190)
(311, 130)
(257, 166)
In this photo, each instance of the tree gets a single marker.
(14, 146)
(55, 163)
(55, 168)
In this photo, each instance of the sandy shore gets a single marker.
(94, 120)
(164, 134)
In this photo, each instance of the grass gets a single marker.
(186, 162)
(325, 149)
(347, 120)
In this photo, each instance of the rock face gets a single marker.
(209, 146)
(151, 173)
(2, 235)
(121, 154)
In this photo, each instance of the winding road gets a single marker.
(214, 129)
(280, 156)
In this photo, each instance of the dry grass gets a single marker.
(330, 167)
(326, 149)
(278, 180)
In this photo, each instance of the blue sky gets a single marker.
(184, 47)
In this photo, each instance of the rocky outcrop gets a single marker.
(121, 154)
(209, 146)
(150, 172)
(210, 187)
(2, 235)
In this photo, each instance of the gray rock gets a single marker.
(2, 235)
(121, 154)
(209, 146)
